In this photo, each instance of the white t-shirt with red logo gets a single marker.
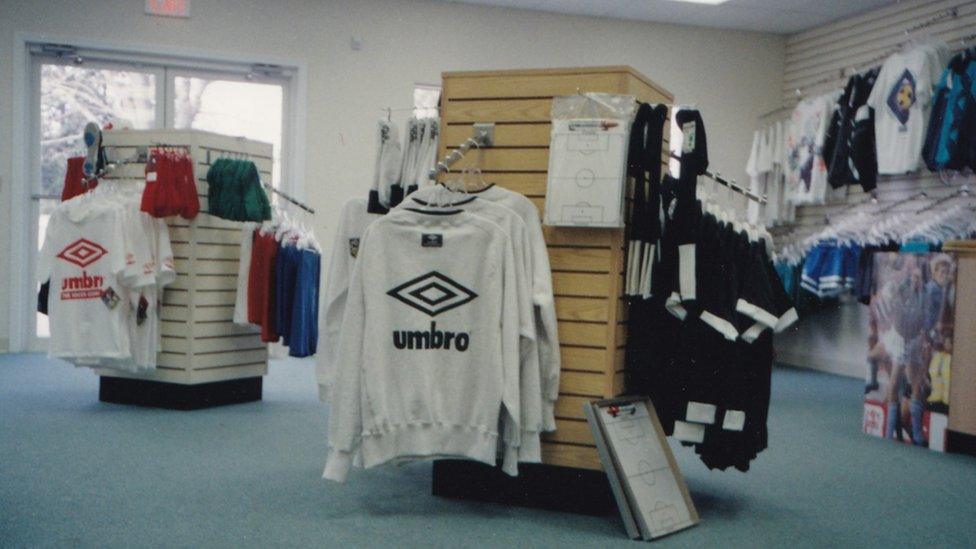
(144, 281)
(85, 256)
(150, 267)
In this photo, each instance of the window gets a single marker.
(70, 97)
(72, 87)
(232, 107)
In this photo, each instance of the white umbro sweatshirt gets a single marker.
(352, 225)
(428, 363)
(532, 407)
(547, 336)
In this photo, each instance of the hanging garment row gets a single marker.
(278, 283)
(766, 169)
(704, 305)
(917, 108)
(462, 358)
(950, 143)
(106, 263)
(839, 258)
(401, 170)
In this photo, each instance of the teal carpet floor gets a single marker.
(76, 472)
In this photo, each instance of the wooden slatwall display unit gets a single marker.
(200, 342)
(587, 264)
(815, 60)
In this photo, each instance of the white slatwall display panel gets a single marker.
(200, 342)
(822, 59)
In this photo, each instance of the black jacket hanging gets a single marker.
(842, 168)
(863, 147)
(694, 162)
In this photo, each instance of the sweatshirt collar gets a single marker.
(447, 205)
(490, 186)
(433, 212)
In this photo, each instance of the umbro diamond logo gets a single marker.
(82, 252)
(432, 293)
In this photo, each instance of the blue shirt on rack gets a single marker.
(304, 323)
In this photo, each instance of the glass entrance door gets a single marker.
(67, 97)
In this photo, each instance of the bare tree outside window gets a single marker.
(72, 96)
(231, 107)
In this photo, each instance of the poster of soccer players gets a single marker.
(906, 397)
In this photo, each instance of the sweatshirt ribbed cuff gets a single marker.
(337, 465)
(756, 313)
(548, 416)
(530, 451)
(510, 460)
(787, 320)
(721, 325)
(753, 332)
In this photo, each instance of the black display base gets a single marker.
(960, 443)
(175, 396)
(544, 486)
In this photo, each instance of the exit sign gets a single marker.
(168, 8)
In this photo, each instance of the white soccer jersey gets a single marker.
(149, 269)
(84, 254)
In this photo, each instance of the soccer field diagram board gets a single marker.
(651, 493)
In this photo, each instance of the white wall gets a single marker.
(731, 76)
(833, 339)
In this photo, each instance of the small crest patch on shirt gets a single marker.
(431, 240)
(353, 247)
(110, 298)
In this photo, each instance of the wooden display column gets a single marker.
(587, 270)
(205, 359)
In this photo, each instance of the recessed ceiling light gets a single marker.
(712, 2)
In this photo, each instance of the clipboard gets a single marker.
(650, 491)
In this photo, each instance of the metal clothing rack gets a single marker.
(962, 191)
(730, 184)
(390, 110)
(109, 168)
(895, 204)
(289, 198)
(483, 137)
(775, 111)
(872, 199)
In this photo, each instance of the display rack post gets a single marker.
(205, 359)
(587, 267)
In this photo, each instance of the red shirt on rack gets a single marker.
(260, 285)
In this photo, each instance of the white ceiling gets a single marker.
(778, 16)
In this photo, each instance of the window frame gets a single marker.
(171, 74)
(25, 137)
